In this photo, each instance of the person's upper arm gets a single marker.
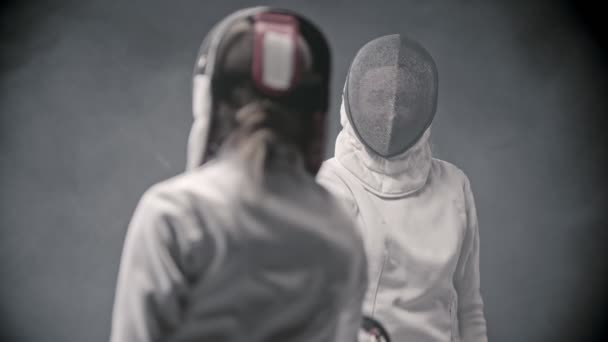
(471, 318)
(150, 281)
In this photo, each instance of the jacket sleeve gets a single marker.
(146, 305)
(472, 323)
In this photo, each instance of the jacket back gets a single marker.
(211, 255)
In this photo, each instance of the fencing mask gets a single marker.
(390, 95)
(260, 54)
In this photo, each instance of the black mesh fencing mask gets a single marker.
(390, 94)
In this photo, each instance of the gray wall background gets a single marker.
(95, 107)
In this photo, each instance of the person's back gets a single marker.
(245, 246)
(275, 260)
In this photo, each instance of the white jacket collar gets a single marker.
(393, 177)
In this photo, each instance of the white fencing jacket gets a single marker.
(209, 256)
(419, 225)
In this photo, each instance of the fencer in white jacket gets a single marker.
(245, 245)
(416, 213)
